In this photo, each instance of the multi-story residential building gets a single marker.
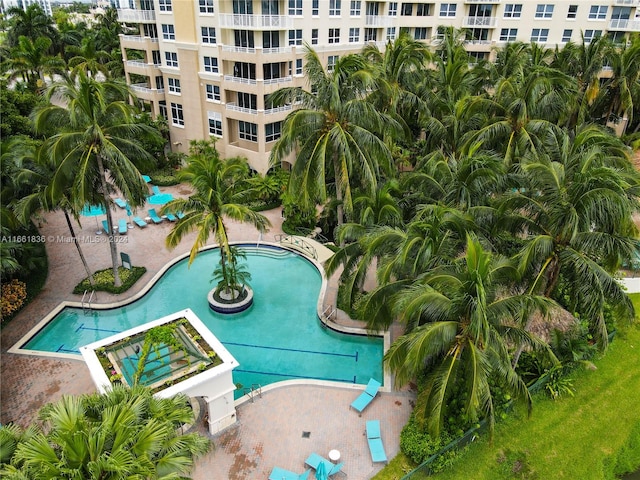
(45, 4)
(208, 66)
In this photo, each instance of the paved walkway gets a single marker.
(268, 432)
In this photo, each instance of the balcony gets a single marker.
(275, 81)
(143, 91)
(625, 25)
(137, 42)
(378, 21)
(258, 22)
(234, 107)
(273, 111)
(628, 3)
(481, 1)
(234, 49)
(276, 50)
(136, 16)
(246, 81)
(489, 22)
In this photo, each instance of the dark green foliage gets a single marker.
(16, 104)
(104, 280)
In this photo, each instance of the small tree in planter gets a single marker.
(156, 337)
(232, 277)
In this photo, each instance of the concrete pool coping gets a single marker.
(323, 316)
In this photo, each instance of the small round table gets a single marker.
(334, 455)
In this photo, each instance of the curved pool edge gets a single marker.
(324, 319)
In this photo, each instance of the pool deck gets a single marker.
(269, 430)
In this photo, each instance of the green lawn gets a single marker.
(570, 438)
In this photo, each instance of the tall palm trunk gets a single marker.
(337, 175)
(112, 245)
(75, 241)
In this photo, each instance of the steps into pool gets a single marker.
(267, 251)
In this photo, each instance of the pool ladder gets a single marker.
(86, 303)
(256, 388)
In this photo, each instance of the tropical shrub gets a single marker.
(12, 298)
(418, 445)
(103, 280)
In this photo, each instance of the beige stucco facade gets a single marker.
(208, 65)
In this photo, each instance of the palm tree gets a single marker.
(575, 216)
(89, 58)
(335, 129)
(219, 192)
(93, 150)
(30, 61)
(460, 319)
(32, 22)
(125, 433)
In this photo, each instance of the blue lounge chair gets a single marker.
(122, 226)
(146, 178)
(105, 226)
(171, 217)
(154, 216)
(180, 215)
(366, 397)
(156, 190)
(376, 447)
(282, 474)
(121, 203)
(314, 460)
(140, 222)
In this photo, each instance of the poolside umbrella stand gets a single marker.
(93, 211)
(128, 209)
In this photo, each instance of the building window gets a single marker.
(334, 35)
(314, 36)
(314, 7)
(162, 108)
(331, 61)
(248, 131)
(420, 33)
(171, 59)
(539, 34)
(165, 5)
(174, 85)
(242, 7)
(334, 8)
(206, 6)
(448, 9)
(168, 32)
(573, 11)
(272, 131)
(393, 9)
(508, 34)
(544, 10)
(208, 35)
(295, 37)
(215, 127)
(245, 70)
(512, 10)
(566, 35)
(177, 116)
(247, 100)
(298, 66)
(423, 10)
(269, 39)
(211, 64)
(213, 92)
(245, 39)
(590, 35)
(598, 12)
(295, 8)
(355, 9)
(407, 9)
(477, 34)
(354, 35)
(370, 34)
(391, 33)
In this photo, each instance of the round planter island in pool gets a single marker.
(224, 305)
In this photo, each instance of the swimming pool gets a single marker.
(279, 338)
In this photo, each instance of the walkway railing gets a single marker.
(297, 243)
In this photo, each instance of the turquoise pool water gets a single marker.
(278, 338)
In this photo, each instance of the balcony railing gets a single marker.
(275, 50)
(378, 21)
(629, 3)
(144, 88)
(236, 108)
(230, 20)
(137, 38)
(141, 64)
(481, 1)
(247, 81)
(479, 22)
(272, 111)
(233, 48)
(273, 81)
(133, 16)
(624, 24)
